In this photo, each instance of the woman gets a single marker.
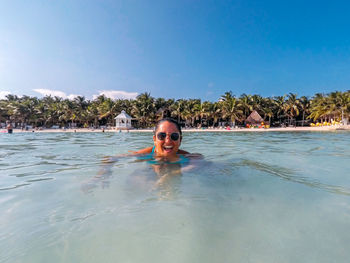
(165, 157)
(167, 139)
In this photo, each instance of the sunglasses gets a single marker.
(162, 135)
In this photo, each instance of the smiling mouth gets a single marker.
(168, 148)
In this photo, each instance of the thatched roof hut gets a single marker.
(254, 118)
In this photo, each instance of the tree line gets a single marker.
(229, 109)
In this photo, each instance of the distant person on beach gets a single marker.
(9, 127)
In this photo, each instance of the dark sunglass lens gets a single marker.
(161, 136)
(174, 136)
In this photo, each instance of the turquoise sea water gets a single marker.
(257, 197)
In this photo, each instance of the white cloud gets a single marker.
(54, 93)
(72, 96)
(3, 94)
(116, 94)
(113, 94)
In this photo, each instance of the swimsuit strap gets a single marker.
(150, 158)
(183, 159)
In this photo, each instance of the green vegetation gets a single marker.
(280, 110)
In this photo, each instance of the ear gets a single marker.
(154, 138)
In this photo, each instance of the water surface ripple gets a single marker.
(256, 197)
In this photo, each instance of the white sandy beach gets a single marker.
(287, 129)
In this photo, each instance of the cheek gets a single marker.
(158, 144)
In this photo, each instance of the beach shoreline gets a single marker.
(279, 129)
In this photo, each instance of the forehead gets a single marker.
(167, 127)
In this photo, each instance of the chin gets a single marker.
(167, 154)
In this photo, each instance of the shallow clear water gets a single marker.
(257, 197)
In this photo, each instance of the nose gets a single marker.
(167, 138)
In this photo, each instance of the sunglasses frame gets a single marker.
(163, 136)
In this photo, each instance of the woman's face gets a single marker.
(166, 145)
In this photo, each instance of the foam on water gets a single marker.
(257, 197)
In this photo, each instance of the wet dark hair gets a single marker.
(169, 120)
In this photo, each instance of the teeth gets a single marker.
(168, 147)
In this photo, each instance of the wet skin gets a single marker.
(166, 150)
(167, 147)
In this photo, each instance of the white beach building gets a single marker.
(123, 121)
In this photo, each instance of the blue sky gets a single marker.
(174, 49)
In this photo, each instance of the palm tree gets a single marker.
(23, 109)
(3, 111)
(41, 111)
(205, 111)
(54, 110)
(246, 104)
(229, 108)
(189, 112)
(80, 106)
(267, 108)
(292, 107)
(279, 107)
(342, 100)
(51, 110)
(92, 115)
(197, 111)
(318, 107)
(161, 103)
(31, 103)
(106, 108)
(177, 109)
(214, 112)
(304, 104)
(256, 101)
(143, 109)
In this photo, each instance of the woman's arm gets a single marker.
(142, 151)
(105, 170)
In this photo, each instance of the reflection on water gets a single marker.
(158, 175)
(293, 176)
(279, 197)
